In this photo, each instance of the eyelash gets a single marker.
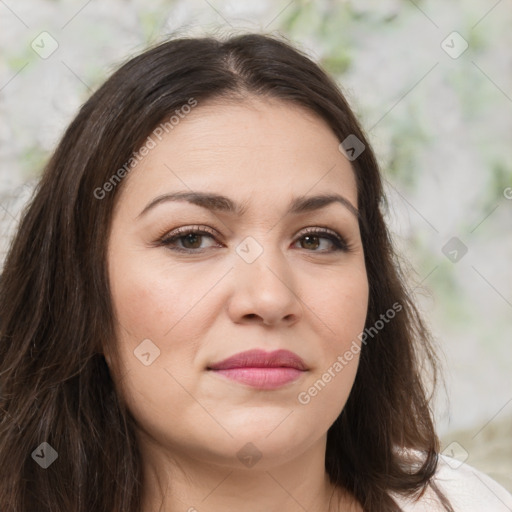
(339, 243)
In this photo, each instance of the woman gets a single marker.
(201, 309)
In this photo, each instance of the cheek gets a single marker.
(145, 309)
(147, 306)
(342, 306)
(341, 301)
(164, 310)
(155, 313)
(152, 297)
(349, 316)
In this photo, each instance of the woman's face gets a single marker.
(198, 279)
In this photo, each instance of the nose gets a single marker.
(265, 292)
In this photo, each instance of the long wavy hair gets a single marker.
(56, 315)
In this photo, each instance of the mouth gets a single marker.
(260, 369)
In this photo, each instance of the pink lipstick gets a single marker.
(260, 369)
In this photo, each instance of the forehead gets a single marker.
(255, 147)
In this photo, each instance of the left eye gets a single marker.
(321, 242)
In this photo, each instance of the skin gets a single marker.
(200, 308)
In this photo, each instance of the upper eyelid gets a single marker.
(184, 230)
(320, 229)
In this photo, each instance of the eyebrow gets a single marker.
(220, 203)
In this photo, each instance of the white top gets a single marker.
(467, 489)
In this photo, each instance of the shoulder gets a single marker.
(467, 489)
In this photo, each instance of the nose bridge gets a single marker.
(262, 260)
(264, 283)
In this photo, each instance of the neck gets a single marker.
(180, 483)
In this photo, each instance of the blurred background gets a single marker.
(431, 82)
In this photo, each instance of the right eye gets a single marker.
(188, 239)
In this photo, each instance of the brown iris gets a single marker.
(191, 241)
(310, 242)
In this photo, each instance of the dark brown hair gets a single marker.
(56, 317)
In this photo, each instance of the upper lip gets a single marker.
(261, 359)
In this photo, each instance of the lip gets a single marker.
(261, 369)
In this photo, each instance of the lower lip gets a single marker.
(262, 378)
